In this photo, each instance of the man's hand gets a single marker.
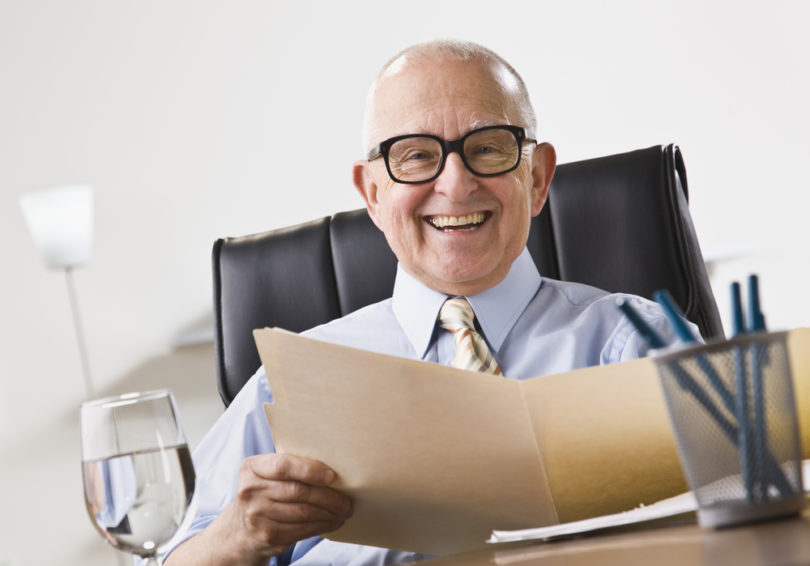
(280, 500)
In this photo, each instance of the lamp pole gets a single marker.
(60, 220)
(77, 323)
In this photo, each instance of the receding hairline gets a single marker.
(444, 49)
(449, 48)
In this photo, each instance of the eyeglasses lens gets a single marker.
(415, 158)
(486, 152)
(491, 151)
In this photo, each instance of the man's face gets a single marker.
(459, 233)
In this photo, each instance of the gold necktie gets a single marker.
(472, 353)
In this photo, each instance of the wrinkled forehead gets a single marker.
(442, 97)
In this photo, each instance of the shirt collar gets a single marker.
(416, 306)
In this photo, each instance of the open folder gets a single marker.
(436, 458)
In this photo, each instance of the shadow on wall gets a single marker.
(190, 372)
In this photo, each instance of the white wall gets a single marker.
(197, 119)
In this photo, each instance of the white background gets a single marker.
(199, 119)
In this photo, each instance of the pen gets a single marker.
(685, 381)
(758, 357)
(650, 335)
(678, 322)
(674, 315)
(741, 396)
(738, 326)
(756, 318)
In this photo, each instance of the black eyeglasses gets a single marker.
(420, 158)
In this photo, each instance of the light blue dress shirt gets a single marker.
(534, 326)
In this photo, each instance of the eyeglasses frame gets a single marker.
(522, 135)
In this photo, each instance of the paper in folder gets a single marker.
(436, 458)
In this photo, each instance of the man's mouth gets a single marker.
(455, 223)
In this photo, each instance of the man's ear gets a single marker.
(544, 161)
(367, 187)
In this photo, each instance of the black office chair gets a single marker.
(620, 223)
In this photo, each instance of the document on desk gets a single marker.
(682, 504)
(436, 458)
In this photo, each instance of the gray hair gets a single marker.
(439, 49)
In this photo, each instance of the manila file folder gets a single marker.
(436, 458)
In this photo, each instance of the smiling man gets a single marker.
(453, 174)
(456, 221)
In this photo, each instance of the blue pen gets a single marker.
(737, 323)
(676, 319)
(741, 396)
(759, 356)
(756, 318)
(685, 381)
(650, 335)
(675, 315)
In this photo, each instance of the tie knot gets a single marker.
(456, 314)
(472, 352)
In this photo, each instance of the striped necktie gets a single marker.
(472, 352)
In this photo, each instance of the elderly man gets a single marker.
(452, 177)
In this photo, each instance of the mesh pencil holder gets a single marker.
(733, 413)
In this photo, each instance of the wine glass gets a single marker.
(138, 474)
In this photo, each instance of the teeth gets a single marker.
(449, 221)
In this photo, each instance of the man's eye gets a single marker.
(487, 150)
(417, 155)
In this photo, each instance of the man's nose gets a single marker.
(455, 181)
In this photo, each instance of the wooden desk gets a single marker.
(781, 542)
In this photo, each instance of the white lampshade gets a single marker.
(61, 223)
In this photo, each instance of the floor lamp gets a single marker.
(60, 221)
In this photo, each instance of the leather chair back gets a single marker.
(620, 223)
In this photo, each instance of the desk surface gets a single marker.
(781, 542)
